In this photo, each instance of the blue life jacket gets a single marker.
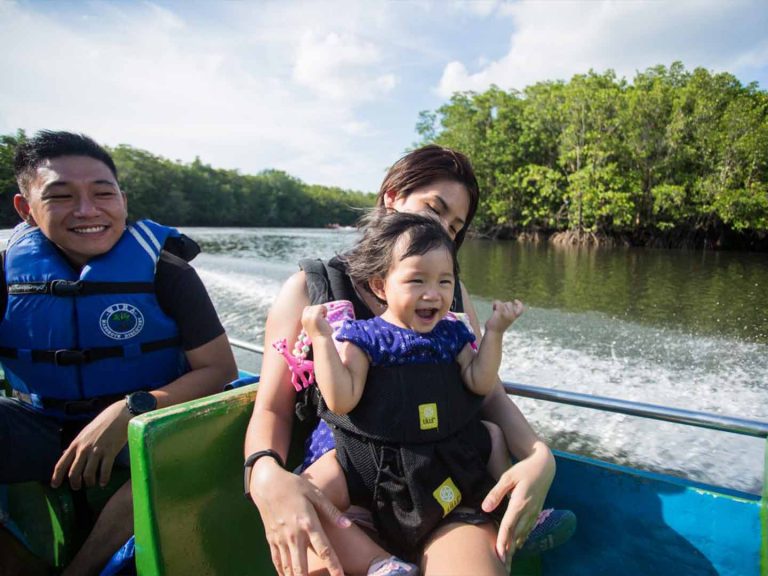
(97, 333)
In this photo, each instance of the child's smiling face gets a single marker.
(418, 289)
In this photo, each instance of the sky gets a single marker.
(329, 92)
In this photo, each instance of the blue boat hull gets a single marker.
(636, 522)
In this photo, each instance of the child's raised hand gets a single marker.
(504, 313)
(315, 322)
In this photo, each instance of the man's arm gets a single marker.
(181, 294)
(90, 456)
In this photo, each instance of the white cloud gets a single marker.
(152, 78)
(478, 7)
(356, 128)
(340, 67)
(554, 40)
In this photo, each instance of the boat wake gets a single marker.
(595, 354)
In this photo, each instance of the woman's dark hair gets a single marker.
(427, 165)
(47, 145)
(373, 255)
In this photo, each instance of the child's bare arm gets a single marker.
(340, 376)
(480, 371)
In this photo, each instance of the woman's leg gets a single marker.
(462, 550)
(355, 549)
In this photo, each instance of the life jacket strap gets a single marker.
(80, 288)
(70, 357)
(70, 407)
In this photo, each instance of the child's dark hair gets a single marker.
(373, 255)
(47, 145)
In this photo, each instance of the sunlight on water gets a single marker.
(590, 353)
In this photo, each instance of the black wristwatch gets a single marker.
(140, 402)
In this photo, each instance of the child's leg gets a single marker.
(355, 549)
(499, 460)
(326, 474)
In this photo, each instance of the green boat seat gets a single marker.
(190, 513)
(46, 520)
(50, 522)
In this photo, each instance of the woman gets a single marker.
(434, 180)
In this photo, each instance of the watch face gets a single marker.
(141, 402)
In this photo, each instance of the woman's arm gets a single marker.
(528, 481)
(288, 504)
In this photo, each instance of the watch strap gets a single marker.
(249, 463)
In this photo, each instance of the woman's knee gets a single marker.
(462, 550)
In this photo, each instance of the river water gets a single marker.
(680, 328)
(687, 329)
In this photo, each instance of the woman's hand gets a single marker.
(527, 484)
(290, 509)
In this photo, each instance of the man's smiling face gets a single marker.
(78, 205)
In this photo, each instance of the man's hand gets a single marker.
(89, 458)
(504, 313)
(315, 322)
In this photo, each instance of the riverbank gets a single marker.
(723, 239)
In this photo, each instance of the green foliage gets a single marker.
(196, 194)
(672, 149)
(8, 186)
(670, 205)
(599, 200)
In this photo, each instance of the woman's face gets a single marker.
(448, 200)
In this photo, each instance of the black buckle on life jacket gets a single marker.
(66, 287)
(70, 357)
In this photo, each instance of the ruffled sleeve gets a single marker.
(357, 332)
(455, 335)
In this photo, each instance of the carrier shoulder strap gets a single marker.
(458, 300)
(317, 280)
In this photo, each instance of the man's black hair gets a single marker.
(47, 145)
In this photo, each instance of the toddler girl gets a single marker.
(402, 394)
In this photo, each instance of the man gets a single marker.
(102, 321)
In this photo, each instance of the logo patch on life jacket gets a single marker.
(447, 495)
(428, 416)
(121, 321)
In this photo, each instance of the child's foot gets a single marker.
(393, 566)
(552, 528)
